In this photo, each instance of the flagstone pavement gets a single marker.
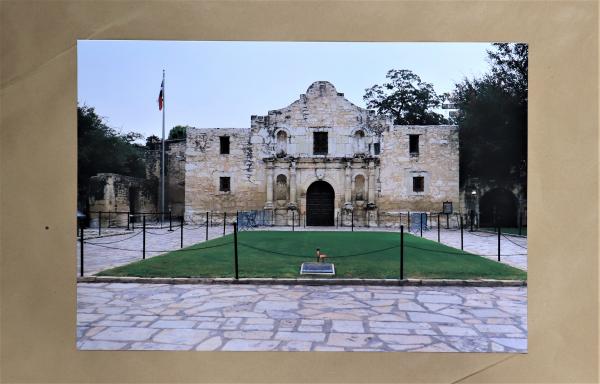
(130, 316)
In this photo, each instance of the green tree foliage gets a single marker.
(406, 99)
(153, 142)
(103, 149)
(492, 119)
(177, 132)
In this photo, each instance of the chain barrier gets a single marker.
(163, 251)
(479, 235)
(518, 245)
(306, 256)
(461, 253)
(116, 241)
(270, 251)
(161, 234)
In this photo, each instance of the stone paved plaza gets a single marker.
(130, 316)
(118, 247)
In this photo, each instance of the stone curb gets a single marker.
(304, 281)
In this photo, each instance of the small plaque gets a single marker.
(317, 269)
(447, 207)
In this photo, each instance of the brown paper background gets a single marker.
(38, 175)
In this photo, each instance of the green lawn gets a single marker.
(355, 254)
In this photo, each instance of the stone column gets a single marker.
(371, 182)
(269, 203)
(293, 183)
(353, 190)
(347, 184)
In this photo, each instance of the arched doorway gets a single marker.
(320, 204)
(498, 207)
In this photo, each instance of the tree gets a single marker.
(406, 99)
(103, 149)
(492, 119)
(153, 142)
(178, 132)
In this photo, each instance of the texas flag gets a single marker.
(161, 96)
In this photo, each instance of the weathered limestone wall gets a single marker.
(205, 165)
(320, 109)
(437, 162)
(111, 192)
(272, 164)
(175, 174)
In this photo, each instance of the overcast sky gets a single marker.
(220, 84)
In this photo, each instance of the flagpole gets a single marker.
(162, 170)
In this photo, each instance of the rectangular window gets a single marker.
(413, 145)
(320, 143)
(224, 184)
(224, 141)
(376, 148)
(418, 184)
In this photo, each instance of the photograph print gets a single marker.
(302, 196)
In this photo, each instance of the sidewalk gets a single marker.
(301, 318)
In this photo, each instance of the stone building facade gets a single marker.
(174, 173)
(116, 195)
(318, 158)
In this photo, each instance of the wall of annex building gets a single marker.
(205, 166)
(437, 162)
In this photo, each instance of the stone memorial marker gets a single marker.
(317, 269)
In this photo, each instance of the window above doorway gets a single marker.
(320, 143)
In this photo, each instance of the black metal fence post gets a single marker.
(408, 223)
(235, 250)
(99, 223)
(438, 227)
(81, 247)
(181, 233)
(128, 219)
(352, 220)
(421, 223)
(447, 221)
(461, 233)
(143, 237)
(206, 226)
(499, 234)
(224, 222)
(293, 220)
(170, 221)
(401, 252)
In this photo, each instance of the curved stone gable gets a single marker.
(322, 106)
